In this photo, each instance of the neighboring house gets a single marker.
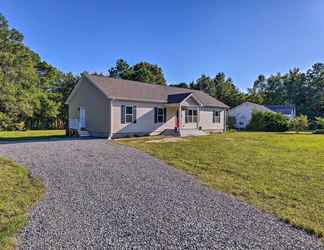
(243, 113)
(107, 107)
(288, 110)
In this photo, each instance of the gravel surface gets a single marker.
(107, 196)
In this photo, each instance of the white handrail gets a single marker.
(74, 124)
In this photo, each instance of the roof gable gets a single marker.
(253, 106)
(191, 101)
(78, 85)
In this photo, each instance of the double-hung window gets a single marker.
(159, 115)
(216, 116)
(128, 114)
(191, 116)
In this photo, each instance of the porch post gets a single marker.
(198, 117)
(180, 117)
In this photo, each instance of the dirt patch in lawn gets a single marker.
(169, 139)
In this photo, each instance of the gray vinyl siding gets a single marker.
(97, 108)
(145, 122)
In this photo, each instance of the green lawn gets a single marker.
(280, 173)
(18, 193)
(31, 134)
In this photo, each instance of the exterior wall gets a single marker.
(96, 108)
(145, 119)
(206, 121)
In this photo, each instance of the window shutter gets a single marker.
(186, 116)
(213, 116)
(155, 115)
(134, 114)
(122, 114)
(164, 115)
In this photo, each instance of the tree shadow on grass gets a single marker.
(45, 138)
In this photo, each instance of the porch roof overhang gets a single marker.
(176, 100)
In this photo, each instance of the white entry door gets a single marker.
(82, 117)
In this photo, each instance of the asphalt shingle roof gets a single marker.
(139, 91)
(177, 98)
(285, 109)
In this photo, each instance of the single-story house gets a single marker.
(112, 108)
(243, 112)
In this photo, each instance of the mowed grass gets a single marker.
(280, 173)
(18, 192)
(30, 134)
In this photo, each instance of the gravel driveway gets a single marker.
(107, 196)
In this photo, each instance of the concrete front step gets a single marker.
(192, 132)
(83, 133)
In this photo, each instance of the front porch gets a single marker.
(187, 121)
(192, 118)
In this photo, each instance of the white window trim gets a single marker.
(216, 119)
(192, 116)
(129, 106)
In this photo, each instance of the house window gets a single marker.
(159, 115)
(191, 116)
(128, 114)
(216, 116)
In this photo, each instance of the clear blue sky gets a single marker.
(186, 38)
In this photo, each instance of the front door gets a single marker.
(82, 117)
(177, 120)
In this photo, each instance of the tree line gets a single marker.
(303, 89)
(33, 92)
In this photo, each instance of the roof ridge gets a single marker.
(146, 83)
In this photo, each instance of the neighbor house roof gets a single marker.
(139, 91)
(285, 109)
(254, 106)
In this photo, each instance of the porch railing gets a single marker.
(74, 124)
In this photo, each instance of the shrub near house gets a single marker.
(268, 122)
(320, 125)
(300, 123)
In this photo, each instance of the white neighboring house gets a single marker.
(243, 113)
